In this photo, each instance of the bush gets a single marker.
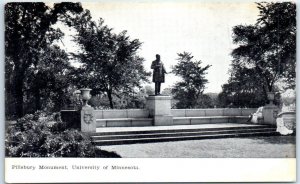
(45, 135)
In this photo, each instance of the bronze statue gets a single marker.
(158, 73)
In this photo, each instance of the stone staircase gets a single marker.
(133, 135)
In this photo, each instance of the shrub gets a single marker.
(45, 135)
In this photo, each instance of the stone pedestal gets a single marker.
(270, 114)
(160, 109)
(88, 119)
(286, 122)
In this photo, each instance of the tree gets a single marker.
(138, 98)
(268, 48)
(167, 91)
(244, 89)
(149, 90)
(49, 81)
(110, 63)
(266, 53)
(212, 100)
(28, 32)
(188, 91)
(204, 101)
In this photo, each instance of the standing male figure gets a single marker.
(158, 73)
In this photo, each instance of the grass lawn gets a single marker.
(254, 147)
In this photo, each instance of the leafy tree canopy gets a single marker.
(28, 35)
(110, 63)
(269, 46)
(244, 89)
(266, 54)
(192, 85)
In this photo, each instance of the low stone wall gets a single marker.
(120, 113)
(141, 117)
(123, 118)
(212, 112)
(144, 113)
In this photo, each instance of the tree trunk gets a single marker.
(37, 91)
(18, 86)
(19, 102)
(109, 94)
(37, 99)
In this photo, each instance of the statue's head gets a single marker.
(157, 57)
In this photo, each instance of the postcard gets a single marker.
(150, 91)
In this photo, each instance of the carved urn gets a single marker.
(85, 94)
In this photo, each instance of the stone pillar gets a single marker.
(269, 113)
(88, 119)
(87, 114)
(160, 109)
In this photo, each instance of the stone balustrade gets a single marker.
(122, 113)
(142, 117)
(212, 112)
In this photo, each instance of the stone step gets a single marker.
(209, 119)
(131, 135)
(173, 129)
(182, 138)
(178, 133)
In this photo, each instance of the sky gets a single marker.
(169, 27)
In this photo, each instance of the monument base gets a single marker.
(160, 109)
(163, 120)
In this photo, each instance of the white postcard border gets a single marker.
(52, 170)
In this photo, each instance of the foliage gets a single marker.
(138, 98)
(167, 91)
(44, 83)
(99, 102)
(288, 97)
(41, 135)
(268, 48)
(148, 90)
(213, 100)
(190, 89)
(204, 101)
(28, 36)
(45, 135)
(266, 54)
(244, 89)
(109, 61)
(134, 100)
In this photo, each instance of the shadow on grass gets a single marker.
(106, 154)
(283, 139)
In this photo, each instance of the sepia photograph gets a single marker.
(195, 80)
